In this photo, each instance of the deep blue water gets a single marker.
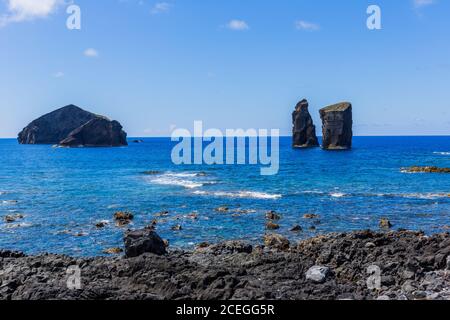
(64, 192)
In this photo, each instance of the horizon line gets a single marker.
(281, 136)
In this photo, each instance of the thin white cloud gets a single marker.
(304, 25)
(237, 25)
(26, 10)
(58, 74)
(161, 7)
(91, 53)
(423, 3)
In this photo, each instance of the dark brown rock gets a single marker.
(304, 130)
(337, 122)
(276, 241)
(432, 169)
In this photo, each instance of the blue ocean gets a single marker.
(62, 193)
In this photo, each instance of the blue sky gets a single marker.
(154, 65)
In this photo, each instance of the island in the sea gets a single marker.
(72, 126)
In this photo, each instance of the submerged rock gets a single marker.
(177, 228)
(385, 223)
(138, 242)
(123, 217)
(433, 169)
(62, 124)
(272, 215)
(13, 218)
(304, 130)
(272, 226)
(337, 122)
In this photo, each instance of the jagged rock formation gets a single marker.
(72, 126)
(98, 132)
(304, 131)
(329, 267)
(337, 126)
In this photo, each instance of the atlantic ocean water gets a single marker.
(63, 193)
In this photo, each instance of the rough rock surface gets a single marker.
(99, 132)
(72, 126)
(138, 242)
(337, 125)
(317, 274)
(426, 170)
(304, 131)
(411, 264)
(55, 126)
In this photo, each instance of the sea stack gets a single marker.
(337, 126)
(304, 130)
(72, 126)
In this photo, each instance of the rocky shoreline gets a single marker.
(359, 265)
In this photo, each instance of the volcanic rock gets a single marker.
(62, 124)
(433, 169)
(304, 131)
(337, 124)
(276, 241)
(317, 274)
(98, 132)
(138, 242)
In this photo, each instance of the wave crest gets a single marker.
(241, 194)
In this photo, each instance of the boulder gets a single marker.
(138, 242)
(304, 130)
(385, 223)
(98, 132)
(62, 124)
(337, 122)
(296, 228)
(276, 241)
(317, 274)
(272, 226)
(272, 215)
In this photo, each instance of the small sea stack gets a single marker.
(337, 125)
(304, 130)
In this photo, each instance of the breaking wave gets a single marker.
(186, 180)
(240, 194)
(442, 153)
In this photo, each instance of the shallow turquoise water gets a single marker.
(64, 192)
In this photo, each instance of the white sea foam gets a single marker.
(9, 202)
(18, 225)
(241, 194)
(337, 194)
(189, 180)
(177, 182)
(425, 195)
(442, 153)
